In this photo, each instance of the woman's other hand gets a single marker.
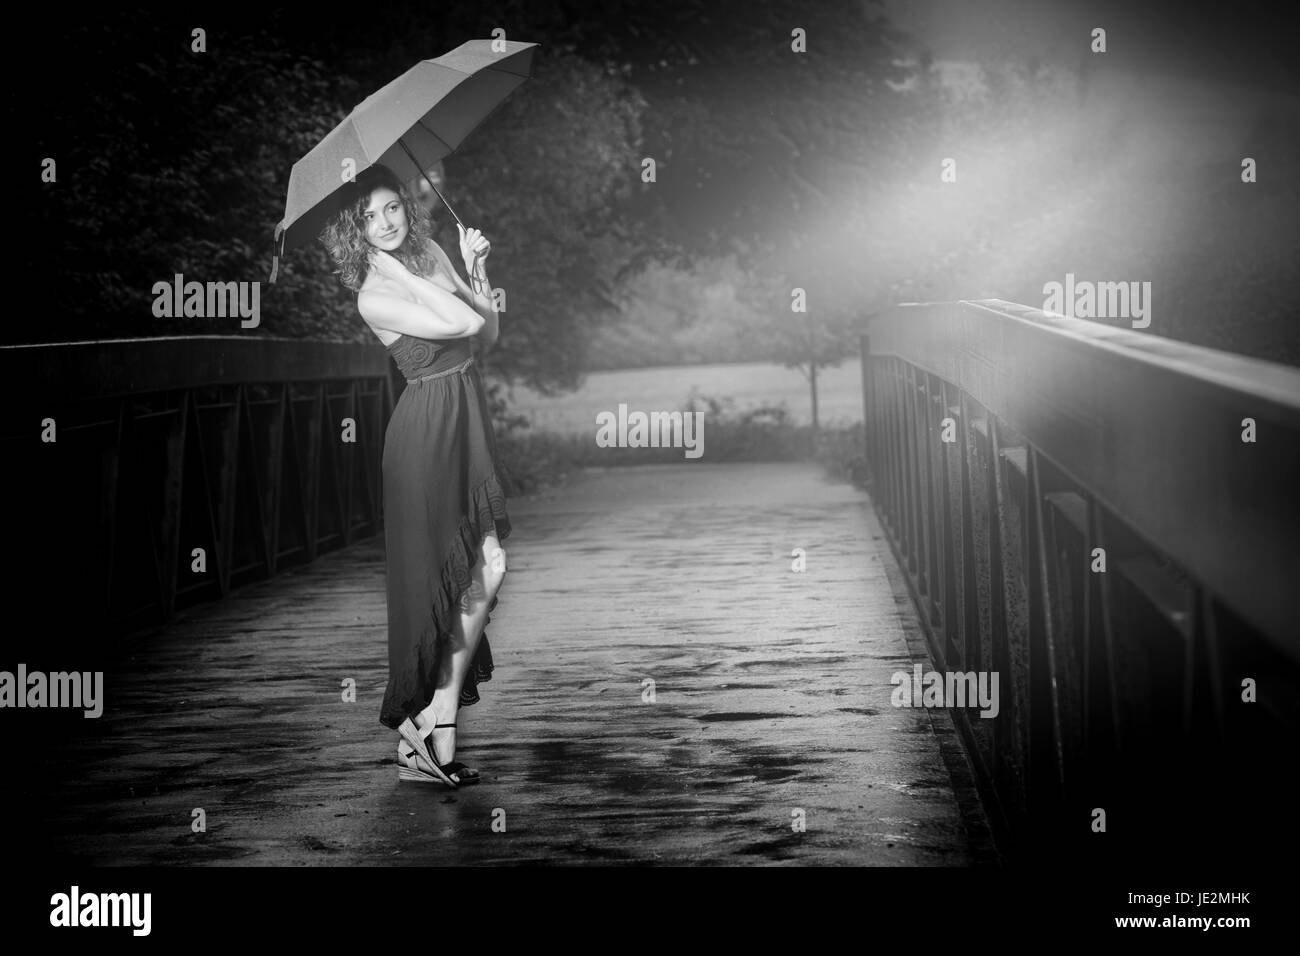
(388, 267)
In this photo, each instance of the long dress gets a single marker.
(442, 497)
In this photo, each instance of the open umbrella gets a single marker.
(410, 124)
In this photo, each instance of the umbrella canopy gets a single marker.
(408, 125)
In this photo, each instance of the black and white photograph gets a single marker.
(597, 436)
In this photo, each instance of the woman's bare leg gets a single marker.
(456, 658)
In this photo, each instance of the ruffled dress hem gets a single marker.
(404, 697)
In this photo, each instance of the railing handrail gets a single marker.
(1149, 426)
(100, 369)
(1271, 381)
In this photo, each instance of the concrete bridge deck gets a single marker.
(771, 695)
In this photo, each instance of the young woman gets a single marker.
(444, 509)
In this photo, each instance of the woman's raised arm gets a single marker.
(436, 313)
(384, 310)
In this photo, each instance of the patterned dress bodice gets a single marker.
(416, 356)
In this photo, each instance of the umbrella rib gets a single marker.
(420, 123)
(494, 69)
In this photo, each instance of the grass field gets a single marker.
(666, 389)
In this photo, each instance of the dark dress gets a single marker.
(442, 496)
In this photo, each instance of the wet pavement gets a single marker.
(668, 690)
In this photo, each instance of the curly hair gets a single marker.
(344, 237)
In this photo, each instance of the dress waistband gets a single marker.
(451, 371)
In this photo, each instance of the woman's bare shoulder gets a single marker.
(377, 283)
(440, 254)
(374, 283)
(447, 269)
(438, 251)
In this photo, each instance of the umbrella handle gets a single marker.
(275, 257)
(401, 143)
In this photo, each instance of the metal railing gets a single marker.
(183, 467)
(1075, 508)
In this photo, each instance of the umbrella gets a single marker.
(408, 125)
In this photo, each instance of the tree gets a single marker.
(174, 161)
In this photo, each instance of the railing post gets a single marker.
(868, 409)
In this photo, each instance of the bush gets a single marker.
(533, 460)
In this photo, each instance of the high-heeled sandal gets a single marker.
(411, 735)
(409, 767)
(465, 775)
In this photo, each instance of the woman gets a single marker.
(444, 509)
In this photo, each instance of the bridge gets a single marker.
(1108, 520)
(696, 663)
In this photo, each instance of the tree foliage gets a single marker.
(775, 170)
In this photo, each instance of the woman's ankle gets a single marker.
(435, 714)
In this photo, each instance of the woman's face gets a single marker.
(385, 218)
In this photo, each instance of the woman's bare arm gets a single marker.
(432, 295)
(435, 313)
(481, 300)
(385, 310)
(486, 307)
